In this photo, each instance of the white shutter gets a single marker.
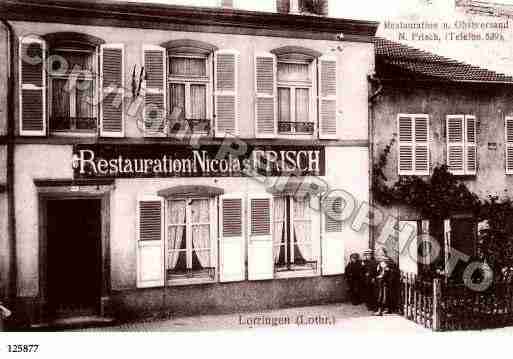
(328, 97)
(112, 85)
(470, 145)
(150, 242)
(266, 116)
(508, 148)
(421, 131)
(447, 242)
(226, 81)
(32, 87)
(455, 144)
(260, 243)
(332, 241)
(155, 105)
(405, 148)
(231, 242)
(408, 246)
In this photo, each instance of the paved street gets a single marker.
(340, 316)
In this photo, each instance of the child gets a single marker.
(369, 266)
(384, 280)
(354, 278)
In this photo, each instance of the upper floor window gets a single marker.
(413, 149)
(508, 148)
(71, 83)
(461, 133)
(72, 89)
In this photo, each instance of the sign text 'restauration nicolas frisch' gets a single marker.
(132, 161)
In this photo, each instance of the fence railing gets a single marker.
(439, 306)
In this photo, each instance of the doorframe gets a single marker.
(101, 193)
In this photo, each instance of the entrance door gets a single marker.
(73, 256)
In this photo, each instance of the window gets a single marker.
(292, 237)
(72, 87)
(189, 239)
(294, 91)
(189, 87)
(461, 144)
(413, 149)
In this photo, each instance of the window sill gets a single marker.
(73, 133)
(307, 273)
(189, 281)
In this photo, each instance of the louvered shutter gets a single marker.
(231, 246)
(421, 130)
(405, 148)
(455, 144)
(328, 97)
(265, 102)
(332, 242)
(260, 245)
(32, 56)
(408, 246)
(150, 242)
(508, 148)
(470, 145)
(112, 85)
(155, 106)
(226, 93)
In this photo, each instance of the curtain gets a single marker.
(302, 104)
(183, 66)
(302, 227)
(198, 102)
(177, 98)
(200, 213)
(284, 104)
(85, 100)
(293, 72)
(176, 232)
(279, 222)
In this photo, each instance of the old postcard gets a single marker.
(199, 165)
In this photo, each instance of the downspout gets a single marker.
(11, 224)
(372, 100)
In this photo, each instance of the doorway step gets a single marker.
(70, 323)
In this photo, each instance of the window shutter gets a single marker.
(150, 242)
(333, 252)
(455, 144)
(231, 246)
(155, 106)
(265, 103)
(408, 246)
(421, 130)
(508, 129)
(328, 97)
(405, 148)
(226, 93)
(471, 145)
(260, 246)
(32, 57)
(112, 85)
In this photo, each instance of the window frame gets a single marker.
(93, 76)
(292, 86)
(464, 143)
(187, 82)
(290, 269)
(187, 279)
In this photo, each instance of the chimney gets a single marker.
(227, 3)
(283, 6)
(319, 7)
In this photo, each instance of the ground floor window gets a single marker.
(189, 239)
(292, 235)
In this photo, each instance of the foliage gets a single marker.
(313, 6)
(442, 194)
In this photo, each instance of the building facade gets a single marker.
(178, 159)
(439, 112)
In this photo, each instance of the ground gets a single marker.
(340, 316)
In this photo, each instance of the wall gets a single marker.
(355, 61)
(488, 103)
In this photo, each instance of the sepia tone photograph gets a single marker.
(212, 165)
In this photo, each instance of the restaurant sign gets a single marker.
(131, 161)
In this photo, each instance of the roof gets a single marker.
(186, 18)
(426, 64)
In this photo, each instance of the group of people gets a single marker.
(372, 281)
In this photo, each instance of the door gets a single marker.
(73, 256)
